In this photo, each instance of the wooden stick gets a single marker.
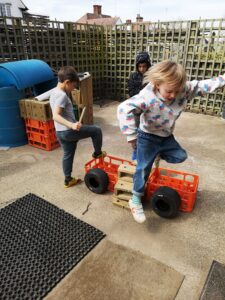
(157, 160)
(82, 114)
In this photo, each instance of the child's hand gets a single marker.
(76, 126)
(133, 144)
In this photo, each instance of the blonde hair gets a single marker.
(168, 72)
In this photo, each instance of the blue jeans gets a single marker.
(148, 147)
(68, 140)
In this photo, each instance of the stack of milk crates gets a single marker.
(20, 79)
(38, 115)
(39, 124)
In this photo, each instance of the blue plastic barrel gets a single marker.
(12, 128)
(43, 87)
(24, 73)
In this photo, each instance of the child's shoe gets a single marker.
(137, 212)
(100, 155)
(72, 181)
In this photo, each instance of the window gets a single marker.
(5, 9)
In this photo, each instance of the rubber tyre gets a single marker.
(166, 202)
(97, 181)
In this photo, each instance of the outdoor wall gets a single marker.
(108, 53)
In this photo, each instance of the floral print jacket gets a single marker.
(157, 115)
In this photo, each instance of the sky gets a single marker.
(163, 10)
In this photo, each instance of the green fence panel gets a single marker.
(108, 52)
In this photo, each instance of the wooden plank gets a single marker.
(126, 178)
(127, 169)
(121, 203)
(123, 196)
(123, 186)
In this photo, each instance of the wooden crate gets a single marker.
(84, 97)
(33, 109)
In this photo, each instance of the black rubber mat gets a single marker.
(39, 245)
(214, 288)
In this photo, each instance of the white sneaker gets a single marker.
(137, 212)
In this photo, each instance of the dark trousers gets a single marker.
(69, 139)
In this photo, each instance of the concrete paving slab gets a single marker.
(188, 243)
(115, 272)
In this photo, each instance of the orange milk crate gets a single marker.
(42, 138)
(40, 126)
(46, 142)
(47, 145)
(185, 184)
(110, 165)
(41, 134)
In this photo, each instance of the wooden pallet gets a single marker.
(124, 186)
(121, 203)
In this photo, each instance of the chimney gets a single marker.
(139, 18)
(97, 9)
(128, 21)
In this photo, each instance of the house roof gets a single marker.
(89, 16)
(103, 21)
(23, 6)
(98, 18)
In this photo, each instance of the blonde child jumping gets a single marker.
(160, 104)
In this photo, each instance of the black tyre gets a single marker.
(97, 181)
(166, 202)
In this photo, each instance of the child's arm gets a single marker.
(199, 88)
(127, 109)
(57, 116)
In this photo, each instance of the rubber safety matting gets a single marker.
(214, 288)
(39, 245)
